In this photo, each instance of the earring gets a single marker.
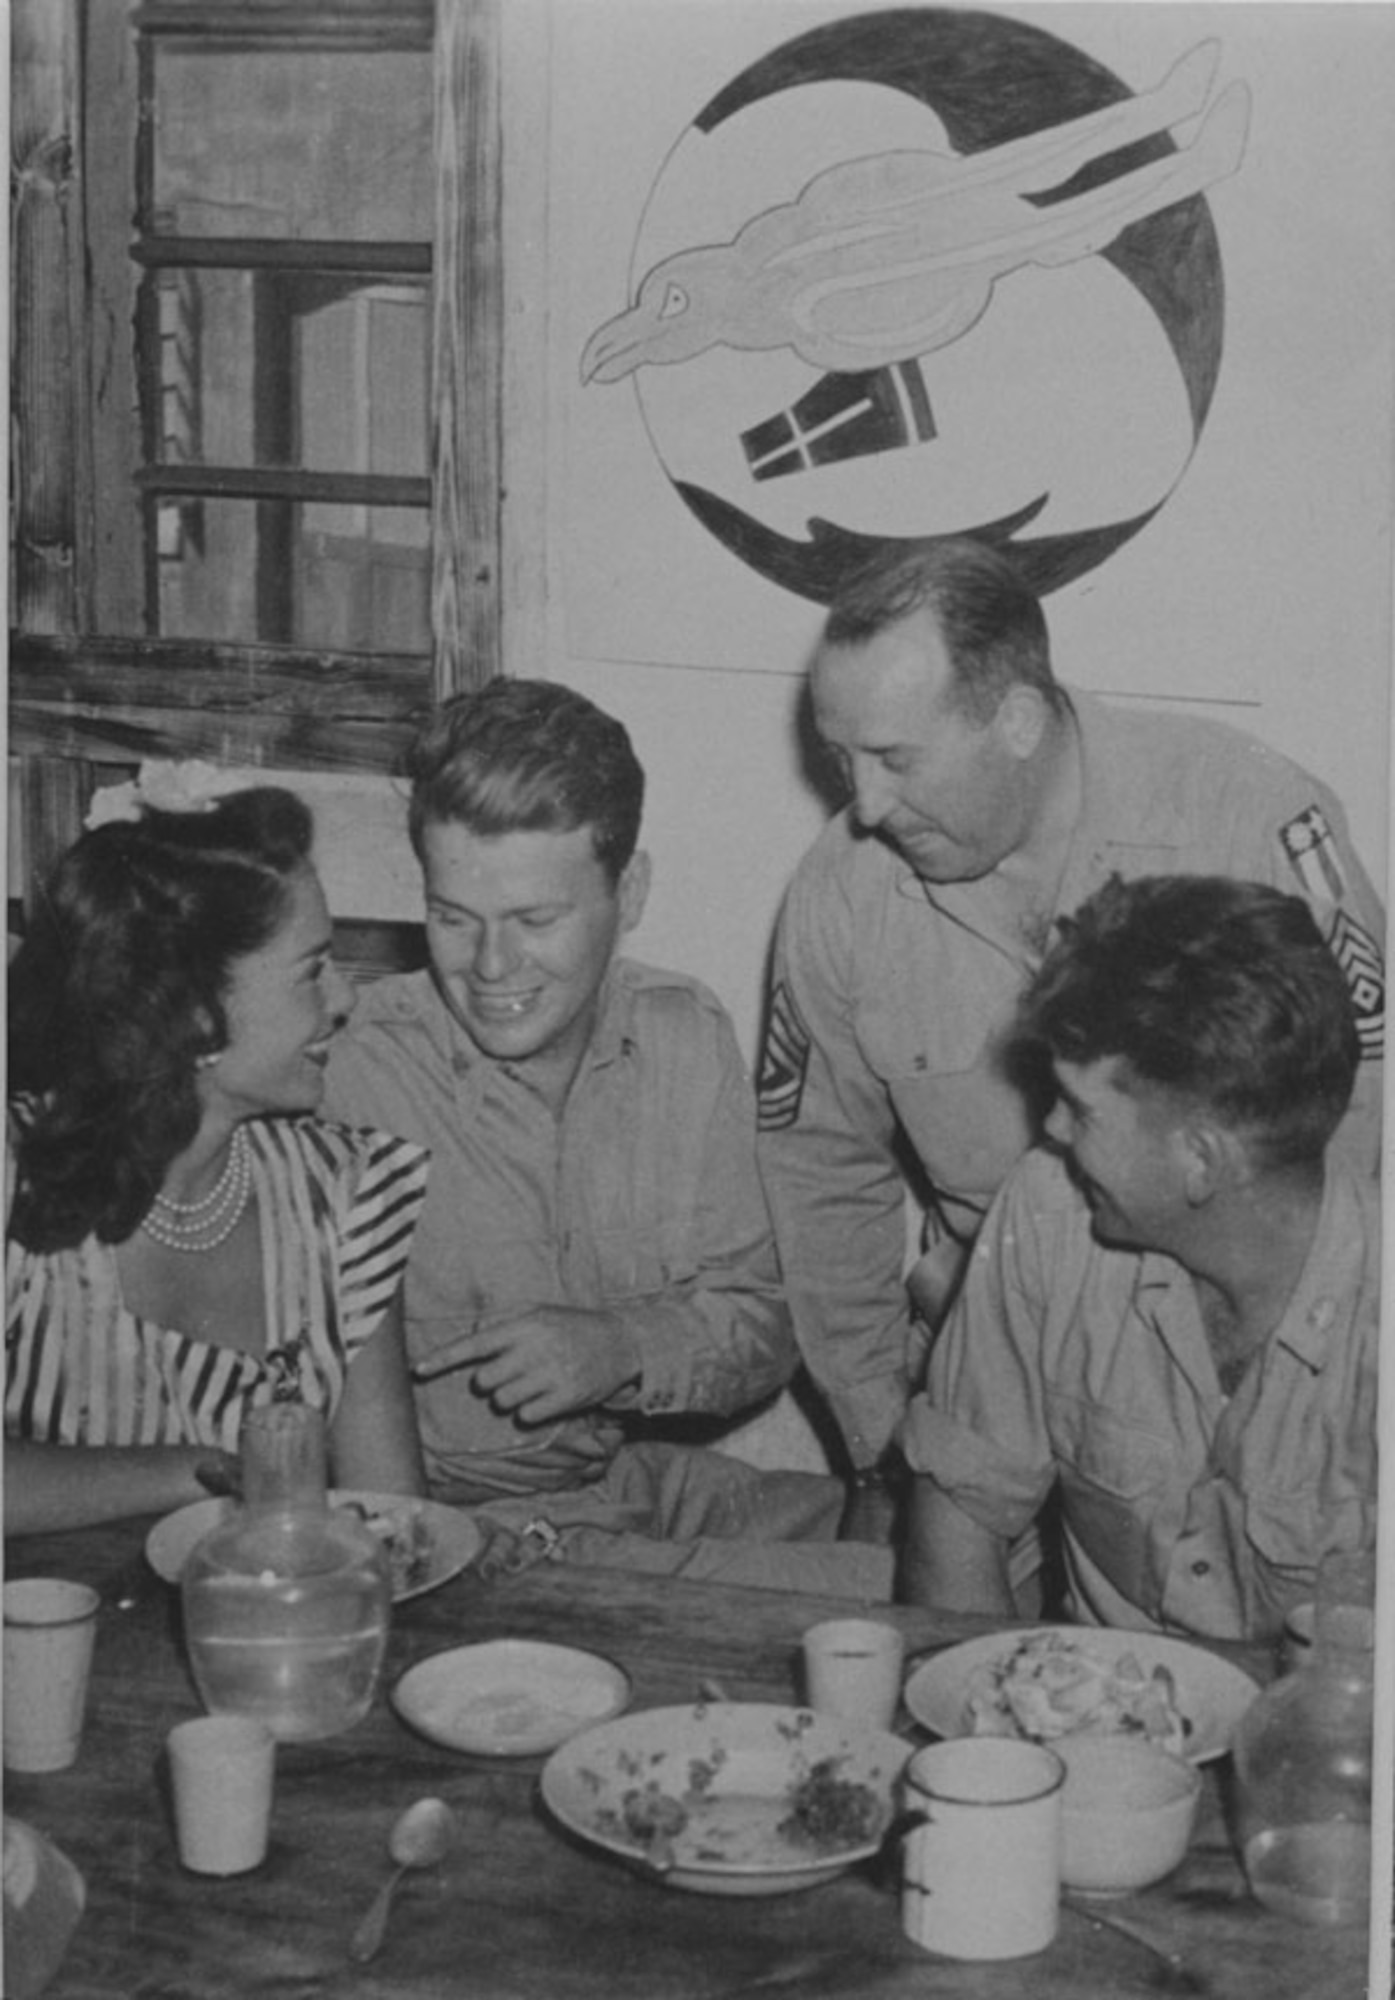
(207, 1061)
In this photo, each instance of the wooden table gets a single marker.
(520, 1911)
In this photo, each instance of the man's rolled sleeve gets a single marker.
(990, 1485)
(706, 1351)
(979, 1428)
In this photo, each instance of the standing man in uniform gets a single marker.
(986, 799)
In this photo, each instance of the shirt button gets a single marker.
(1201, 1569)
(461, 1065)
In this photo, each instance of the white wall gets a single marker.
(1262, 589)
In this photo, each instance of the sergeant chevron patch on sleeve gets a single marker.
(783, 1062)
(1356, 951)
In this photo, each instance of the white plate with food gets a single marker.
(427, 1544)
(1063, 1680)
(729, 1798)
(509, 1697)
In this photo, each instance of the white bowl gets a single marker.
(509, 1697)
(1127, 1810)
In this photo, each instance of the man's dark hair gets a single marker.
(521, 756)
(118, 989)
(989, 618)
(1219, 991)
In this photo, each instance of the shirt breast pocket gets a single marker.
(1115, 1478)
(636, 1263)
(1288, 1528)
(955, 1092)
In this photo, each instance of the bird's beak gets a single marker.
(613, 349)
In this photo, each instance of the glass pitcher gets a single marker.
(1303, 1754)
(287, 1603)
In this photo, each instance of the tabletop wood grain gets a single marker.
(521, 1910)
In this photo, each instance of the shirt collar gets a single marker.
(1330, 1287)
(614, 1035)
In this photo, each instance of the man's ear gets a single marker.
(1022, 720)
(1209, 1159)
(633, 889)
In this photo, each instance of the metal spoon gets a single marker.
(422, 1836)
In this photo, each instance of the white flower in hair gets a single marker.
(114, 802)
(162, 786)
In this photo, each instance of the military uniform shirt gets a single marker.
(642, 1197)
(1182, 1510)
(892, 998)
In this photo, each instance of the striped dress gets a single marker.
(337, 1207)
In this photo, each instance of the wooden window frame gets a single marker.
(87, 688)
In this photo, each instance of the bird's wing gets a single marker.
(874, 190)
(1047, 158)
(929, 289)
(1090, 222)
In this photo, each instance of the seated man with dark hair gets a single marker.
(1171, 1315)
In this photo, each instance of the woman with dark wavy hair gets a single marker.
(186, 1237)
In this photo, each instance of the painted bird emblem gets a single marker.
(895, 254)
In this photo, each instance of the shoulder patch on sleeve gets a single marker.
(1312, 854)
(1356, 951)
(784, 1059)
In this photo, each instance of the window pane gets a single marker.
(350, 579)
(290, 143)
(364, 585)
(362, 382)
(281, 368)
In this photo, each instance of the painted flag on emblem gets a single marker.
(843, 417)
(1358, 954)
(1312, 853)
(783, 1062)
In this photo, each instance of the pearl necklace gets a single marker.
(194, 1226)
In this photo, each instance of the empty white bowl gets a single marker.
(1127, 1810)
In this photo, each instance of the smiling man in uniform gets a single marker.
(594, 1287)
(1171, 1314)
